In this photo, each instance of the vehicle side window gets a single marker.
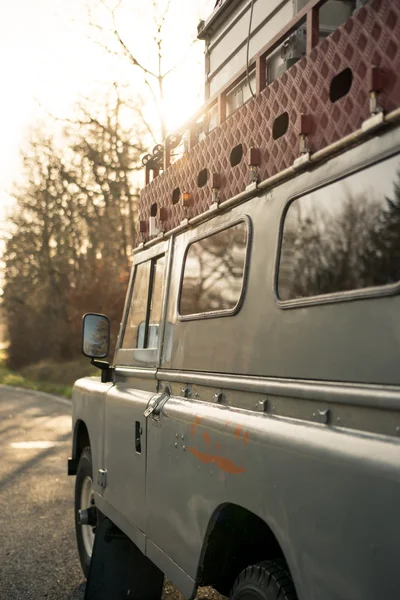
(343, 237)
(155, 301)
(213, 273)
(142, 324)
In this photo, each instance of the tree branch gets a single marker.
(124, 47)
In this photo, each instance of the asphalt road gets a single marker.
(38, 556)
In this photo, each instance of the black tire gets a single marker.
(269, 580)
(84, 471)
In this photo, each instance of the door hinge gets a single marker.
(102, 478)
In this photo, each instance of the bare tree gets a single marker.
(73, 229)
(72, 232)
(167, 44)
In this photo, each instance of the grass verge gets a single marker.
(46, 376)
(8, 377)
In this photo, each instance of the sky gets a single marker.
(48, 58)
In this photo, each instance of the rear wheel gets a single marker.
(269, 580)
(84, 500)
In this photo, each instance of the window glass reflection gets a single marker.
(345, 236)
(135, 324)
(156, 300)
(213, 272)
(143, 322)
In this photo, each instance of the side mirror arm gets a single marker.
(107, 372)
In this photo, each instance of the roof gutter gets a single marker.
(206, 28)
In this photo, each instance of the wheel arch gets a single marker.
(81, 439)
(235, 539)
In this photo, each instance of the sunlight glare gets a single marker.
(33, 445)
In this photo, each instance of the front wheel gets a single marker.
(269, 580)
(84, 499)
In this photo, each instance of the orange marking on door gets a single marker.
(218, 447)
(228, 466)
(246, 438)
(225, 464)
(195, 423)
(237, 432)
(206, 437)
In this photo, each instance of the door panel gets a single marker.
(182, 492)
(125, 454)
(125, 423)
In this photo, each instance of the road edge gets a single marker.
(38, 393)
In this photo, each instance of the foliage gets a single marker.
(47, 376)
(73, 229)
(73, 234)
(56, 373)
(14, 379)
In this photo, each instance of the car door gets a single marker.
(135, 384)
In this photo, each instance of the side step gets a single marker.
(118, 569)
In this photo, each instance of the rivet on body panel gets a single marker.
(398, 430)
(323, 416)
(176, 445)
(184, 448)
(262, 405)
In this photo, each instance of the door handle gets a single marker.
(156, 404)
(138, 437)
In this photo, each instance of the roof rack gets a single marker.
(352, 74)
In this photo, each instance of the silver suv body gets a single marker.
(254, 410)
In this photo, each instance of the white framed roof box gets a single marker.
(226, 34)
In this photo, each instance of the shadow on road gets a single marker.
(7, 430)
(47, 407)
(78, 592)
(33, 461)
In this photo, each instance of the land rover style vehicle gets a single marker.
(247, 435)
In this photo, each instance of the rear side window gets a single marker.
(142, 324)
(214, 272)
(344, 237)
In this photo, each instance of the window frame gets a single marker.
(381, 291)
(148, 357)
(225, 312)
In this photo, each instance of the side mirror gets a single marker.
(95, 335)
